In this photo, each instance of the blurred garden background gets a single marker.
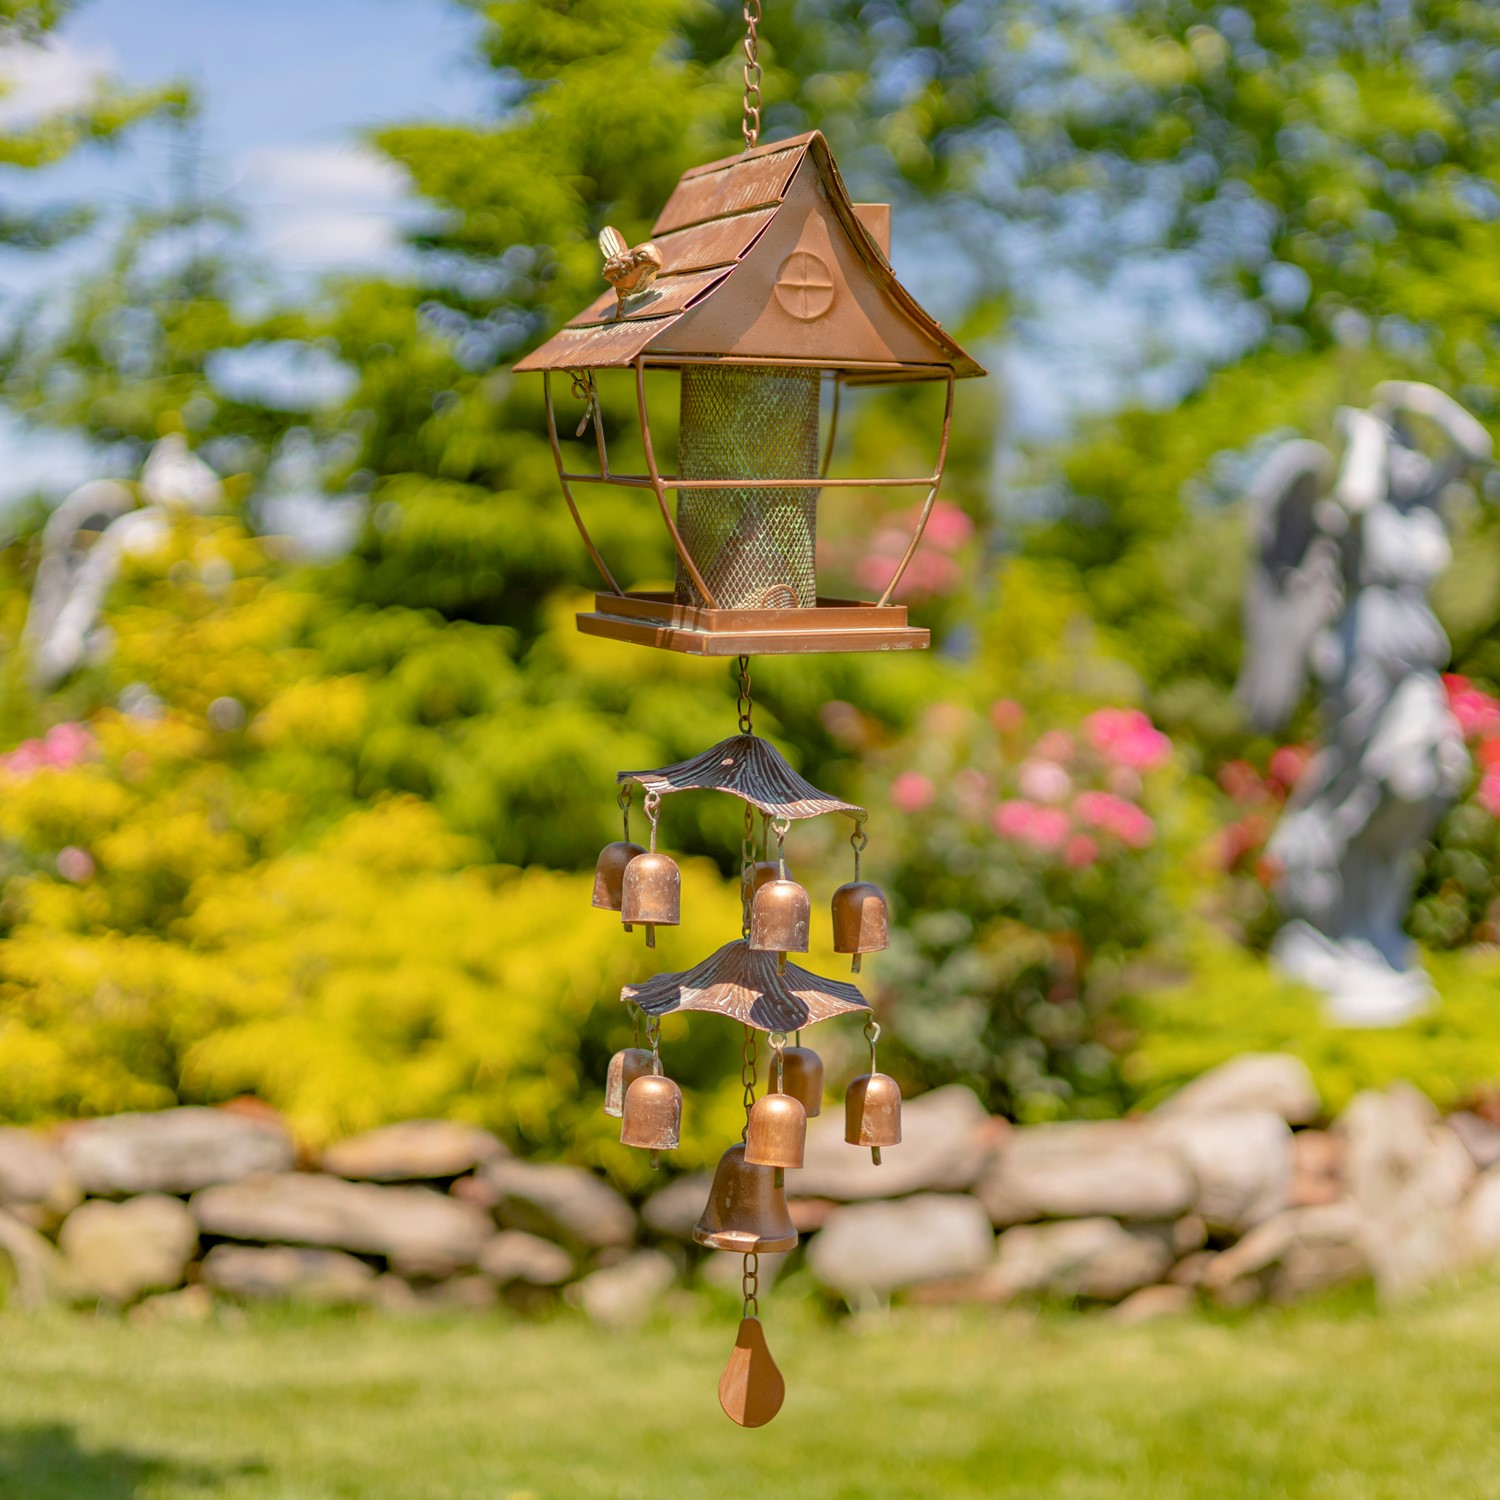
(312, 818)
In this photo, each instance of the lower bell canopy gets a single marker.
(746, 1211)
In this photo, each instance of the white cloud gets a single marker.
(323, 205)
(36, 81)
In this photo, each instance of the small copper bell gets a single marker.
(651, 894)
(765, 871)
(653, 1115)
(777, 1133)
(872, 1113)
(779, 918)
(861, 921)
(802, 1078)
(746, 1210)
(609, 873)
(624, 1068)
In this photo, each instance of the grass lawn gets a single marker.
(1333, 1401)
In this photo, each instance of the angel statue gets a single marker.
(1346, 552)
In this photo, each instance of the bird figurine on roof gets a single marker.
(629, 272)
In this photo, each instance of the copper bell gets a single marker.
(779, 918)
(861, 922)
(802, 1078)
(653, 1114)
(651, 894)
(777, 1133)
(624, 1068)
(746, 1210)
(765, 871)
(872, 1113)
(609, 873)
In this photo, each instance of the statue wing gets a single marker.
(1294, 588)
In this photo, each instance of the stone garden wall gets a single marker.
(1229, 1192)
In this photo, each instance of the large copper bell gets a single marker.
(746, 1210)
(780, 917)
(861, 921)
(872, 1113)
(802, 1078)
(777, 1133)
(651, 894)
(609, 873)
(765, 871)
(653, 1114)
(624, 1068)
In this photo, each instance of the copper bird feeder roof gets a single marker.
(765, 263)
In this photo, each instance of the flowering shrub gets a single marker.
(1027, 869)
(869, 560)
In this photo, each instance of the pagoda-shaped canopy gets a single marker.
(765, 259)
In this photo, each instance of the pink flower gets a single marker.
(1007, 715)
(1288, 764)
(1056, 744)
(911, 791)
(1114, 815)
(1127, 737)
(64, 745)
(1044, 781)
(1049, 828)
(1012, 819)
(1080, 851)
(74, 864)
(1488, 795)
(947, 527)
(971, 792)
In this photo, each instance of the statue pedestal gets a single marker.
(1360, 987)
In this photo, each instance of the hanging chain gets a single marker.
(622, 800)
(745, 703)
(747, 1075)
(747, 871)
(872, 1035)
(750, 1286)
(778, 1061)
(750, 125)
(653, 1038)
(859, 838)
(653, 808)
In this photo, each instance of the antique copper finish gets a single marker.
(624, 1068)
(653, 1114)
(751, 1389)
(609, 873)
(629, 272)
(780, 917)
(750, 768)
(802, 1078)
(861, 920)
(872, 1113)
(763, 871)
(746, 1210)
(777, 1132)
(651, 894)
(745, 985)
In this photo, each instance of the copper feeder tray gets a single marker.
(655, 619)
(744, 984)
(752, 769)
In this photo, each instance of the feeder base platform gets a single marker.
(833, 625)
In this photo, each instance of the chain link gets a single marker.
(750, 125)
(622, 801)
(750, 1286)
(859, 838)
(747, 871)
(653, 811)
(744, 702)
(747, 1075)
(872, 1035)
(653, 1039)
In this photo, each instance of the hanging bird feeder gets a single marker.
(763, 288)
(762, 284)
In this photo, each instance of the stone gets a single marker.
(119, 1251)
(1317, 1168)
(283, 1273)
(189, 1304)
(466, 1293)
(1297, 1253)
(1114, 1169)
(420, 1232)
(1191, 1269)
(514, 1255)
(1153, 1302)
(31, 1271)
(869, 1250)
(946, 1138)
(560, 1202)
(1481, 1138)
(174, 1151)
(34, 1176)
(1406, 1172)
(1273, 1081)
(622, 1295)
(413, 1151)
(676, 1208)
(1095, 1258)
(1242, 1162)
(810, 1214)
